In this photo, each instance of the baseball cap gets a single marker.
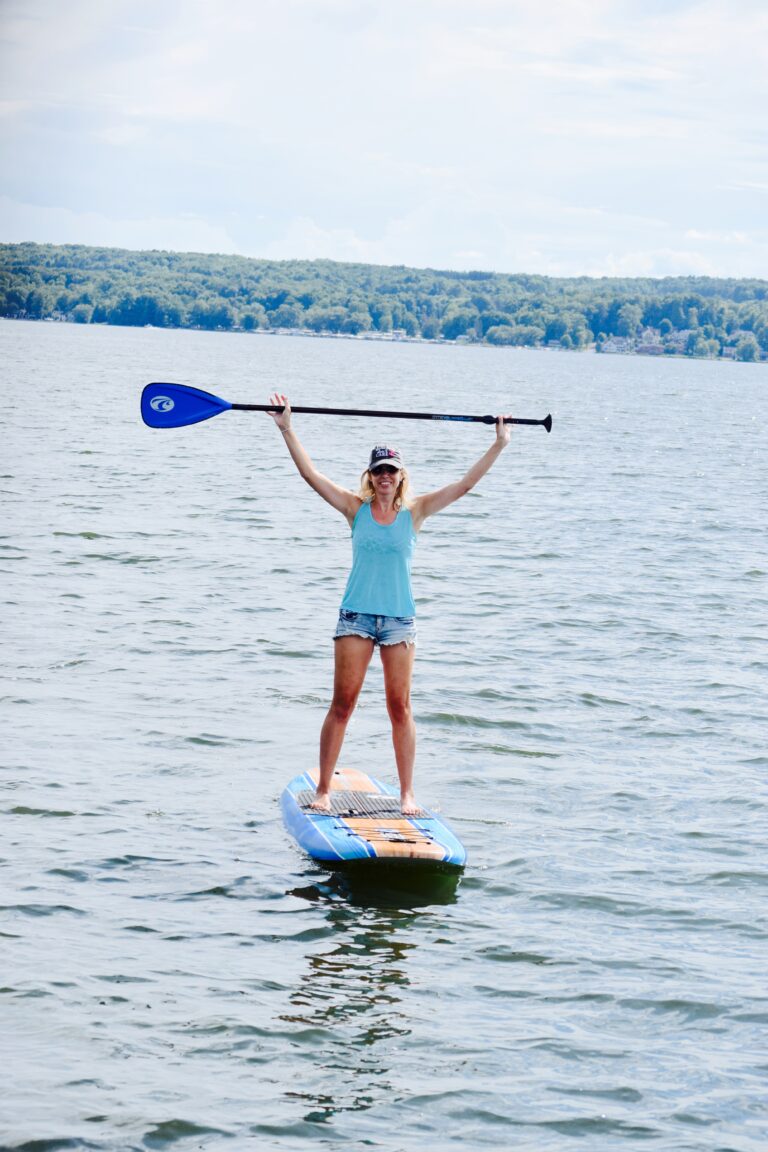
(382, 454)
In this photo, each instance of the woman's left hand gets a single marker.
(503, 431)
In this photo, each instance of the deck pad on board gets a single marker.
(358, 803)
(365, 823)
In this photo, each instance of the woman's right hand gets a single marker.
(282, 419)
(503, 431)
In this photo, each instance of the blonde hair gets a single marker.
(367, 491)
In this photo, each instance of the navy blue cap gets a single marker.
(384, 455)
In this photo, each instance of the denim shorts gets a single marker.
(380, 629)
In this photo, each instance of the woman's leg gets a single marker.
(352, 655)
(397, 660)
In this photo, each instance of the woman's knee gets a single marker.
(399, 709)
(343, 705)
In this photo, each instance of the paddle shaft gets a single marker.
(276, 408)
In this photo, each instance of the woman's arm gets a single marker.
(339, 498)
(432, 502)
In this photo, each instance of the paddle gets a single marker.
(175, 405)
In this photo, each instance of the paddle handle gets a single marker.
(276, 408)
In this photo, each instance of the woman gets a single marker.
(378, 605)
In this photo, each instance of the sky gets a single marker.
(559, 137)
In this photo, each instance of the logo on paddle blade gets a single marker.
(162, 404)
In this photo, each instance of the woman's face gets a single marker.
(385, 479)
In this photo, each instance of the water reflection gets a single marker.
(393, 889)
(355, 983)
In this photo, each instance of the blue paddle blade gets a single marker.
(174, 405)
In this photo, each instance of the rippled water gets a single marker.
(590, 695)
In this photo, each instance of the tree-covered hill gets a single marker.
(691, 315)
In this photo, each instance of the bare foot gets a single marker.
(408, 805)
(321, 802)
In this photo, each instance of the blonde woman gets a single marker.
(378, 606)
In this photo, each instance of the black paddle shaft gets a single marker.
(276, 408)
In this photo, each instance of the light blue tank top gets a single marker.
(380, 580)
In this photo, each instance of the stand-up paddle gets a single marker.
(176, 405)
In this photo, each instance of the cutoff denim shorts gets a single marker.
(380, 629)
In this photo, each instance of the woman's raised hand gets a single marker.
(282, 419)
(503, 431)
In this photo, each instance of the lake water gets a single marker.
(590, 698)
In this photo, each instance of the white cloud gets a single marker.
(601, 75)
(654, 262)
(746, 186)
(580, 242)
(122, 135)
(9, 108)
(56, 225)
(732, 237)
(535, 135)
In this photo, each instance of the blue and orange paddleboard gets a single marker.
(365, 824)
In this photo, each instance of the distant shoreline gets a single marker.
(397, 338)
(390, 338)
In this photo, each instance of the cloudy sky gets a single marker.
(565, 137)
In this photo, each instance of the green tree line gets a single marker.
(690, 315)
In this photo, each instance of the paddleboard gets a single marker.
(365, 824)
